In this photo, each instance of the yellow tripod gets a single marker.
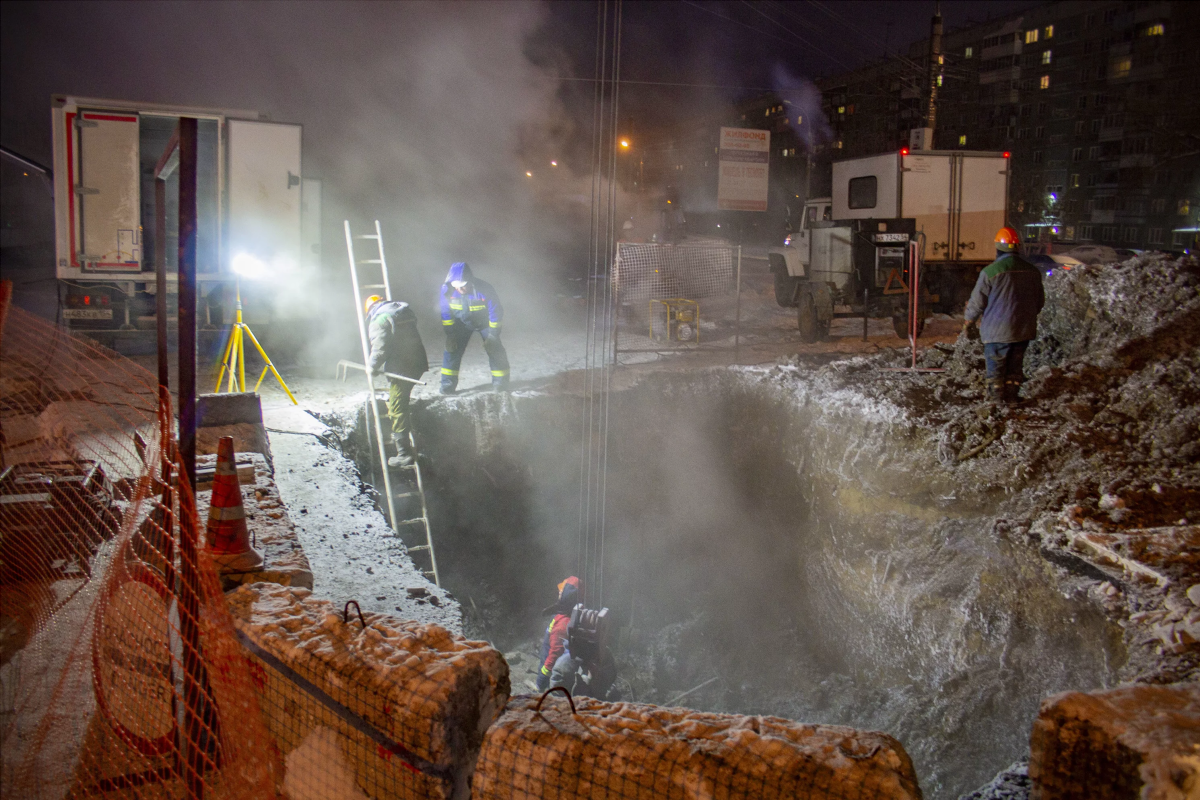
(235, 356)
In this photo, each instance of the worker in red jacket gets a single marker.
(555, 640)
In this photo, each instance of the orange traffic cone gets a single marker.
(227, 534)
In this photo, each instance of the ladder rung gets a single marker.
(429, 572)
(414, 521)
(418, 547)
(402, 495)
(371, 261)
(372, 286)
(368, 236)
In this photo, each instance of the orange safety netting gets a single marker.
(120, 674)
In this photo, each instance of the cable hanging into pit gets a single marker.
(599, 360)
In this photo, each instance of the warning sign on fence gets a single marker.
(744, 160)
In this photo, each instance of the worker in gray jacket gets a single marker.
(396, 347)
(1006, 301)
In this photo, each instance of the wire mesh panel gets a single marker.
(365, 702)
(119, 670)
(589, 748)
(675, 296)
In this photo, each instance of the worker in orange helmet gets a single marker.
(1006, 301)
(555, 640)
(396, 347)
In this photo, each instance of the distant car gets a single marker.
(1128, 252)
(1093, 254)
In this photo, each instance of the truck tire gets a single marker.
(900, 324)
(806, 318)
(785, 288)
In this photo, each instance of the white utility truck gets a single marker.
(255, 212)
(849, 257)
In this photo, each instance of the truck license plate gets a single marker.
(891, 237)
(87, 313)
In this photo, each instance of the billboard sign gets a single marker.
(742, 180)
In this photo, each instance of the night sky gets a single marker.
(428, 115)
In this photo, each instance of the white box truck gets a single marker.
(250, 204)
(846, 258)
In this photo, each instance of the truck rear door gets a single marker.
(983, 199)
(925, 197)
(104, 200)
(264, 197)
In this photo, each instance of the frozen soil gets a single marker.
(1106, 438)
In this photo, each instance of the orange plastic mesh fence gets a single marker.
(120, 674)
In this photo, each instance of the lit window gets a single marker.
(1044, 83)
(841, 109)
(969, 52)
(837, 145)
(1046, 56)
(1158, 29)
(939, 80)
(1031, 36)
(1183, 208)
(1049, 31)
(1121, 67)
(1074, 181)
(962, 140)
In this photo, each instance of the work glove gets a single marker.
(969, 330)
(543, 680)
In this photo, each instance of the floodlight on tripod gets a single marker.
(234, 359)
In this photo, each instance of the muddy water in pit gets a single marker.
(810, 560)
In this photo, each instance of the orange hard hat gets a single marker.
(372, 300)
(1007, 239)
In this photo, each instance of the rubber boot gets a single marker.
(500, 385)
(404, 456)
(995, 390)
(1012, 392)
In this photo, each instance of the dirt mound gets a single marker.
(1106, 438)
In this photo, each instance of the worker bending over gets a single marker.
(396, 347)
(1007, 298)
(554, 643)
(471, 306)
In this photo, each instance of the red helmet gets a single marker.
(1007, 239)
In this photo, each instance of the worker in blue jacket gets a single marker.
(1006, 301)
(469, 306)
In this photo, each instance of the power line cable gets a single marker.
(758, 30)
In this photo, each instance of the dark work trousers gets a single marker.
(399, 394)
(1005, 368)
(1005, 360)
(458, 336)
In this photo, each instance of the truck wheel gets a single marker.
(900, 325)
(806, 316)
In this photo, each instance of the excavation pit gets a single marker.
(791, 552)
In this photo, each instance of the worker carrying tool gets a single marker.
(471, 306)
(554, 643)
(1006, 301)
(396, 347)
(587, 666)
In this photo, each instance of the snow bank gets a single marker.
(630, 750)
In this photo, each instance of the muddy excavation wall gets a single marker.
(812, 557)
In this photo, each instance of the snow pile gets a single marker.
(636, 751)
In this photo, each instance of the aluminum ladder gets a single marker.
(416, 489)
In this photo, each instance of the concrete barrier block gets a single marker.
(1140, 741)
(634, 751)
(405, 704)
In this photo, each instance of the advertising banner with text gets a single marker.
(742, 183)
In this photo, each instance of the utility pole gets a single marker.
(936, 60)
